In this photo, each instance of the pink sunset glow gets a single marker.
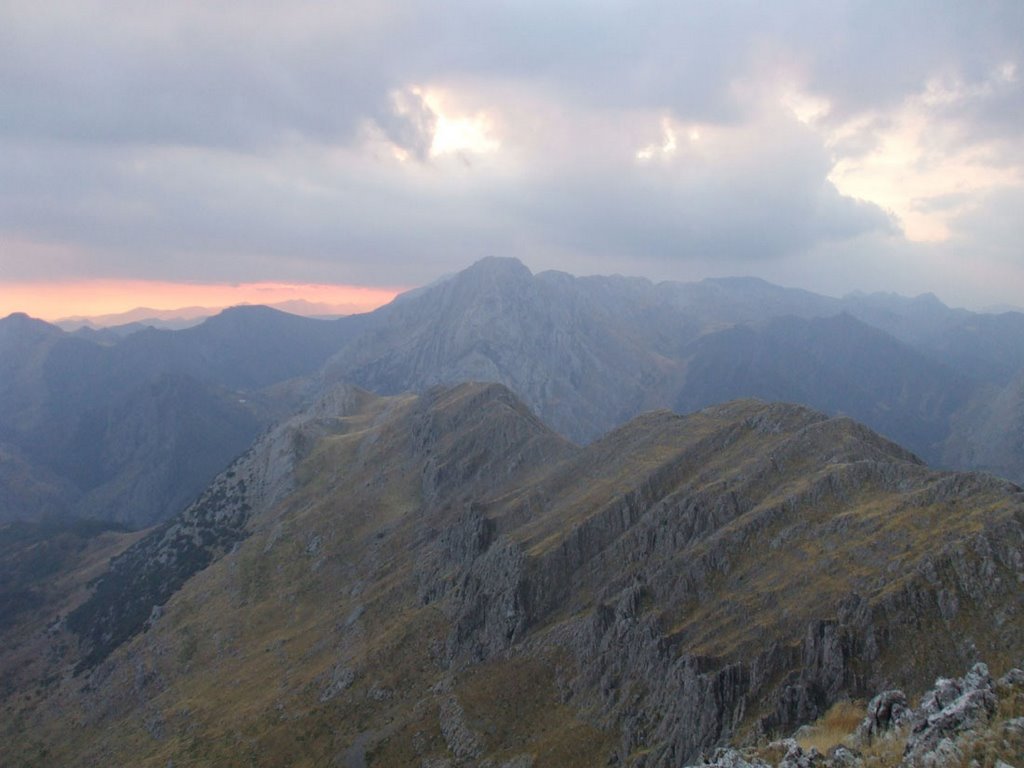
(91, 298)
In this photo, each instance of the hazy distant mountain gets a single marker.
(122, 323)
(243, 347)
(837, 364)
(169, 319)
(132, 429)
(912, 320)
(989, 432)
(578, 350)
(999, 309)
(986, 347)
(732, 300)
(32, 491)
(420, 579)
(589, 353)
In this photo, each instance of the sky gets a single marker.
(159, 151)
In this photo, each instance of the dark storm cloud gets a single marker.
(214, 141)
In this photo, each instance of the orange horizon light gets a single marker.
(69, 299)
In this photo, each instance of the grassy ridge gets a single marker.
(449, 580)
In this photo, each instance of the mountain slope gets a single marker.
(441, 577)
(132, 430)
(837, 364)
(574, 349)
(587, 354)
(989, 432)
(88, 424)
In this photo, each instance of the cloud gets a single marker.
(742, 194)
(388, 143)
(736, 194)
(992, 230)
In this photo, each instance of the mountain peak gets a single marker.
(497, 267)
(929, 299)
(19, 324)
(250, 310)
(246, 316)
(24, 320)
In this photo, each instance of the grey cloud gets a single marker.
(767, 206)
(228, 216)
(163, 140)
(867, 55)
(993, 230)
(91, 84)
(221, 78)
(409, 123)
(990, 109)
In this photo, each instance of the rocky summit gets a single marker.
(442, 580)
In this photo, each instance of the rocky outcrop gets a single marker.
(886, 711)
(951, 708)
(956, 721)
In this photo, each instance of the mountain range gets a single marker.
(131, 427)
(441, 579)
(507, 520)
(124, 323)
(589, 353)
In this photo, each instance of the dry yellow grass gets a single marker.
(884, 753)
(834, 727)
(515, 703)
(983, 748)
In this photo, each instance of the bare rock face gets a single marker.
(886, 711)
(572, 350)
(727, 757)
(950, 708)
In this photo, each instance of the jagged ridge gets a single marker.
(681, 582)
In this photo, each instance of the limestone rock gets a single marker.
(886, 711)
(950, 708)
